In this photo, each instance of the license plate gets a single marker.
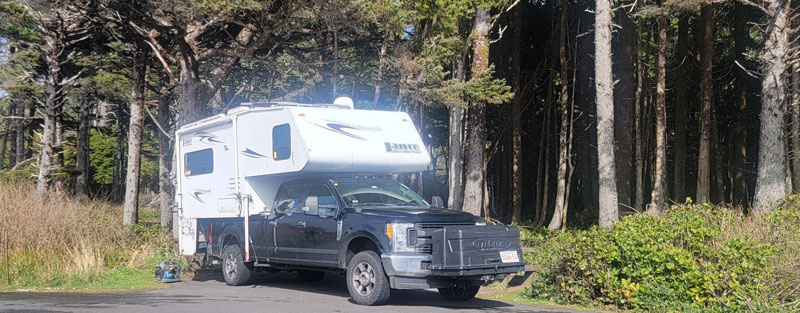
(509, 256)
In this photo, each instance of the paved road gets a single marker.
(272, 293)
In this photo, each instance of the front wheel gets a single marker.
(366, 281)
(234, 270)
(459, 293)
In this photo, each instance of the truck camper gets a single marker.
(300, 187)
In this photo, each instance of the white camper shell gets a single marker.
(231, 165)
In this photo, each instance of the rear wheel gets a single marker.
(459, 293)
(310, 276)
(366, 281)
(234, 270)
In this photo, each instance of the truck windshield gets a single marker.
(378, 193)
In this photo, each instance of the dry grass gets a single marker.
(61, 241)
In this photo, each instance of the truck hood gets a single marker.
(417, 215)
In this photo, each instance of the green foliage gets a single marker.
(101, 159)
(481, 88)
(20, 175)
(698, 258)
(16, 22)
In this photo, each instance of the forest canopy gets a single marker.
(527, 108)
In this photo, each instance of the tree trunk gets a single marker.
(624, 96)
(543, 170)
(335, 77)
(706, 100)
(563, 139)
(770, 183)
(381, 64)
(59, 145)
(11, 128)
(638, 202)
(473, 187)
(130, 212)
(609, 212)
(660, 177)
(31, 126)
(455, 166)
(516, 117)
(82, 162)
(118, 181)
(681, 110)
(165, 188)
(20, 140)
(6, 134)
(52, 92)
(191, 102)
(795, 134)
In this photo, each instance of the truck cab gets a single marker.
(378, 232)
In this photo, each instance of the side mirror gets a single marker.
(311, 205)
(436, 202)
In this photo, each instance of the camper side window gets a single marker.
(281, 142)
(199, 162)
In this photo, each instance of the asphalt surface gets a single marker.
(282, 292)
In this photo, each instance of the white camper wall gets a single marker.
(211, 194)
(255, 143)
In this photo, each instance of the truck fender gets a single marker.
(352, 234)
(229, 233)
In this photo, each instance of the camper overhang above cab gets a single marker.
(280, 138)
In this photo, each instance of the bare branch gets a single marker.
(757, 6)
(155, 121)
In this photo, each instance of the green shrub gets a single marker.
(693, 258)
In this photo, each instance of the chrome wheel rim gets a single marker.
(230, 266)
(363, 278)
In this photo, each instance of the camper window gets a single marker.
(199, 162)
(281, 142)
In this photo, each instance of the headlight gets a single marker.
(480, 223)
(398, 234)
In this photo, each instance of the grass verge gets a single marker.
(60, 243)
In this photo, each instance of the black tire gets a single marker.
(234, 270)
(310, 276)
(366, 280)
(460, 293)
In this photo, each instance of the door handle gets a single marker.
(301, 223)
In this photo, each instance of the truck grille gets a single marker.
(420, 236)
(430, 226)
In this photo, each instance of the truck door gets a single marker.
(258, 235)
(284, 223)
(318, 233)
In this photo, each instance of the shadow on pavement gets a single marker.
(334, 285)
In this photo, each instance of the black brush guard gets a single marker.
(471, 250)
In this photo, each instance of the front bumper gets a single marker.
(406, 265)
(412, 271)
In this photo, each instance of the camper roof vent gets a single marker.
(344, 101)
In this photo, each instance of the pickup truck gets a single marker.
(377, 232)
